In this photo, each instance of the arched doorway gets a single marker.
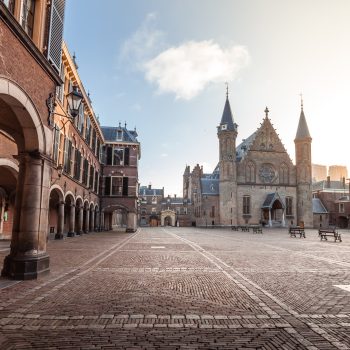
(20, 119)
(79, 216)
(69, 215)
(8, 184)
(86, 217)
(168, 217)
(273, 211)
(56, 213)
(154, 220)
(168, 221)
(119, 218)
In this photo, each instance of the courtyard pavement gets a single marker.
(183, 288)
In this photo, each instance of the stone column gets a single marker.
(97, 221)
(71, 232)
(283, 219)
(28, 258)
(80, 220)
(131, 222)
(102, 225)
(60, 221)
(87, 220)
(270, 222)
(92, 220)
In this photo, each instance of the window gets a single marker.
(97, 153)
(116, 186)
(27, 16)
(284, 178)
(185, 210)
(118, 156)
(77, 165)
(126, 155)
(92, 176)
(85, 172)
(93, 141)
(108, 186)
(109, 151)
(96, 182)
(88, 130)
(71, 159)
(212, 214)
(119, 135)
(250, 172)
(143, 211)
(341, 208)
(246, 205)
(67, 156)
(154, 210)
(289, 206)
(10, 5)
(60, 148)
(154, 200)
(178, 210)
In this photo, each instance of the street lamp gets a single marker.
(74, 99)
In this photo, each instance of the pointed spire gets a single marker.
(303, 130)
(227, 118)
(266, 112)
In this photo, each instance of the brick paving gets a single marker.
(183, 288)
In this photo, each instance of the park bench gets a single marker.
(257, 228)
(329, 232)
(235, 227)
(294, 230)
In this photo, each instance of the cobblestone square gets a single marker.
(183, 288)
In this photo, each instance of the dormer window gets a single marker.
(224, 127)
(119, 135)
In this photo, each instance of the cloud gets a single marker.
(164, 155)
(142, 44)
(187, 69)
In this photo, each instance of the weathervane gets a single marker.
(302, 102)
(226, 83)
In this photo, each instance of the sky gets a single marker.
(161, 66)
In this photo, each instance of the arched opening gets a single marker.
(342, 222)
(168, 221)
(118, 218)
(154, 221)
(92, 218)
(21, 121)
(56, 212)
(8, 184)
(79, 216)
(69, 215)
(86, 217)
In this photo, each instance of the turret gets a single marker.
(303, 142)
(227, 134)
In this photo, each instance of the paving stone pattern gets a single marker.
(183, 288)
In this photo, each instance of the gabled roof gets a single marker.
(110, 134)
(303, 130)
(227, 117)
(146, 191)
(270, 199)
(318, 207)
(243, 148)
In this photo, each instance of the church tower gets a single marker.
(227, 134)
(303, 170)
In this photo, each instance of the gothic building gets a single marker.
(255, 181)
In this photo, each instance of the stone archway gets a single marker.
(56, 213)
(167, 217)
(20, 119)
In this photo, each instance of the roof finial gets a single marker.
(226, 83)
(267, 112)
(125, 125)
(302, 102)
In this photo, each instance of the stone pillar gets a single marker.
(87, 220)
(270, 222)
(60, 221)
(102, 225)
(283, 219)
(28, 258)
(97, 221)
(131, 222)
(71, 232)
(92, 220)
(80, 220)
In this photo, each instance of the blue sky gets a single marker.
(161, 66)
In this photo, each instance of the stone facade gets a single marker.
(254, 182)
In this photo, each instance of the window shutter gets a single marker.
(126, 156)
(109, 155)
(54, 52)
(125, 186)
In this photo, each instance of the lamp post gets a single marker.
(74, 99)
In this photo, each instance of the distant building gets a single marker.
(337, 172)
(334, 198)
(319, 172)
(175, 211)
(254, 182)
(150, 200)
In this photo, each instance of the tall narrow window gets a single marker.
(109, 151)
(77, 164)
(284, 174)
(289, 206)
(119, 135)
(125, 186)
(66, 162)
(118, 156)
(250, 172)
(117, 186)
(27, 16)
(246, 205)
(92, 176)
(88, 130)
(213, 211)
(71, 159)
(93, 141)
(126, 155)
(107, 185)
(56, 143)
(85, 172)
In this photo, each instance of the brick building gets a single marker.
(54, 155)
(254, 182)
(150, 200)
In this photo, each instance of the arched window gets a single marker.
(250, 172)
(284, 174)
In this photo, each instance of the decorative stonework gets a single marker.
(267, 173)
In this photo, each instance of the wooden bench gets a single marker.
(235, 227)
(294, 230)
(257, 229)
(329, 232)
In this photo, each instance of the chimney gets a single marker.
(328, 182)
(149, 186)
(343, 182)
(174, 195)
